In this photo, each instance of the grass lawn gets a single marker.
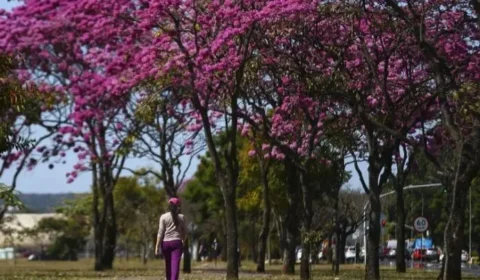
(134, 270)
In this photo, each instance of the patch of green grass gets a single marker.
(135, 270)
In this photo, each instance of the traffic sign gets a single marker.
(420, 224)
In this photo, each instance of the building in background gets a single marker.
(16, 231)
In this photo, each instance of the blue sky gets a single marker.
(6, 5)
(44, 180)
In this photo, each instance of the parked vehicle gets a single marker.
(433, 254)
(361, 255)
(299, 255)
(465, 257)
(381, 254)
(350, 254)
(430, 254)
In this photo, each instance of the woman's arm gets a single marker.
(160, 235)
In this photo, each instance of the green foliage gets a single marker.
(70, 236)
(204, 195)
(15, 100)
(138, 205)
(9, 197)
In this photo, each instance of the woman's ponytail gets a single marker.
(174, 211)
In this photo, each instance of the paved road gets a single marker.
(467, 268)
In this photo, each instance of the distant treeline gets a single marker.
(44, 203)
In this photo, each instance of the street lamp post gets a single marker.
(381, 196)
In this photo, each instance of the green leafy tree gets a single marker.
(203, 194)
(139, 204)
(69, 232)
(15, 100)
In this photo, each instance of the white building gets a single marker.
(14, 226)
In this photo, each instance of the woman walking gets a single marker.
(171, 235)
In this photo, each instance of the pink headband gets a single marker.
(174, 201)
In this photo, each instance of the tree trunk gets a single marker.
(442, 270)
(98, 222)
(336, 264)
(467, 170)
(98, 233)
(232, 235)
(329, 250)
(400, 231)
(144, 253)
(110, 241)
(307, 226)
(264, 233)
(187, 257)
(253, 244)
(336, 253)
(373, 240)
(289, 254)
(453, 238)
(291, 221)
(341, 245)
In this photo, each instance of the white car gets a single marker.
(392, 253)
(299, 256)
(350, 254)
(464, 256)
(432, 254)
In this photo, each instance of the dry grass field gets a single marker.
(134, 270)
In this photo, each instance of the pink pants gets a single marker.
(172, 251)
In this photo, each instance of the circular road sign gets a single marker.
(420, 224)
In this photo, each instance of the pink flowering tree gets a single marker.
(447, 36)
(59, 53)
(292, 112)
(205, 47)
(363, 73)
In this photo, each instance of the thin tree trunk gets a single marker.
(330, 251)
(264, 233)
(453, 237)
(336, 253)
(144, 253)
(253, 244)
(307, 226)
(98, 222)
(342, 243)
(400, 230)
(232, 235)
(373, 242)
(442, 269)
(291, 222)
(110, 241)
(336, 264)
(187, 257)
